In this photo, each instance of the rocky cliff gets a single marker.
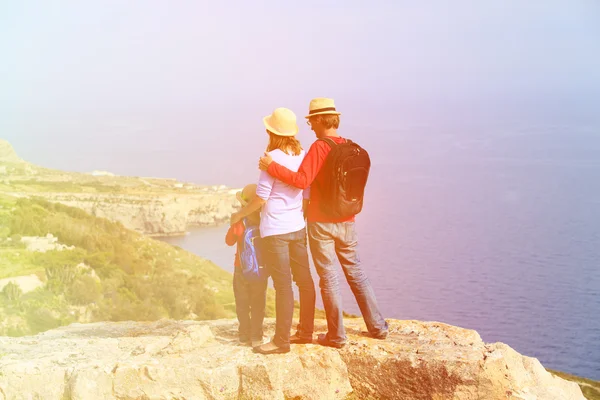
(153, 206)
(202, 360)
(155, 214)
(7, 153)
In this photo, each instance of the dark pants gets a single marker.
(250, 300)
(287, 257)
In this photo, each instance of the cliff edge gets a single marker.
(202, 360)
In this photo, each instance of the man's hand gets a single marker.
(235, 218)
(305, 203)
(264, 162)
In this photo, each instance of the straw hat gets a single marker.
(282, 122)
(321, 106)
(246, 194)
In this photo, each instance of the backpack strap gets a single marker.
(331, 142)
(248, 224)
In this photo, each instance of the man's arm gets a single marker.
(305, 201)
(308, 170)
(305, 204)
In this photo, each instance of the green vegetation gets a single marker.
(130, 276)
(47, 182)
(109, 274)
(67, 187)
(590, 388)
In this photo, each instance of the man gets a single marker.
(330, 237)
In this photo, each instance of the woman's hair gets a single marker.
(328, 120)
(287, 144)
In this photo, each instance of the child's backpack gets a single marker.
(346, 170)
(250, 254)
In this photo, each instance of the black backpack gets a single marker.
(344, 177)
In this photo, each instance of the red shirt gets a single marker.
(235, 235)
(307, 173)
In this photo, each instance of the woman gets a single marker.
(283, 233)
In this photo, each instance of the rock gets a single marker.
(27, 283)
(7, 153)
(43, 244)
(152, 206)
(101, 173)
(87, 270)
(202, 360)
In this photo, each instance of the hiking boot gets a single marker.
(295, 339)
(261, 341)
(381, 335)
(324, 341)
(270, 348)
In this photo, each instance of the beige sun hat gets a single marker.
(246, 195)
(282, 122)
(321, 106)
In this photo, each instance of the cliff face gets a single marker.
(7, 153)
(153, 206)
(202, 360)
(155, 215)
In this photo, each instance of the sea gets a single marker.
(496, 230)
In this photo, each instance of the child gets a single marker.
(250, 296)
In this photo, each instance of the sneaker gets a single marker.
(324, 341)
(295, 339)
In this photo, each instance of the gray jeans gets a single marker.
(329, 241)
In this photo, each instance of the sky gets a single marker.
(179, 89)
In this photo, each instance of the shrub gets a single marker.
(60, 277)
(12, 291)
(84, 290)
(42, 319)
